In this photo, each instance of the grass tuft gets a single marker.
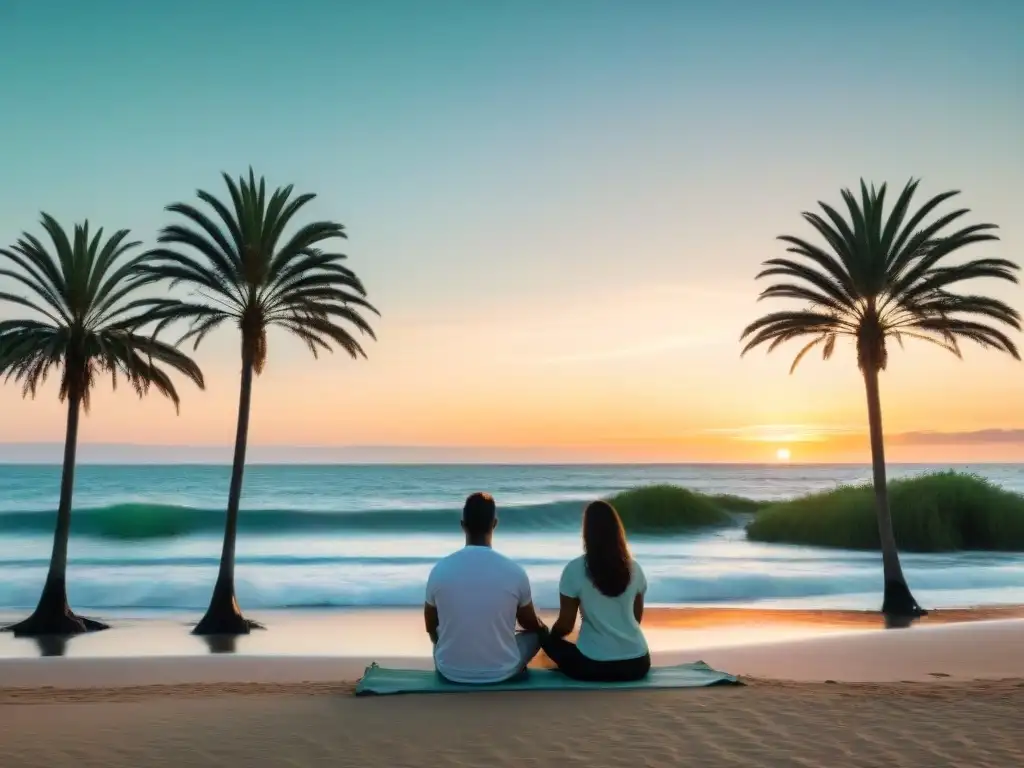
(937, 512)
(739, 504)
(653, 508)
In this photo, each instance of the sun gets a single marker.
(783, 454)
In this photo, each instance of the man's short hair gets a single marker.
(479, 513)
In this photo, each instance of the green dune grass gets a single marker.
(653, 508)
(738, 504)
(938, 512)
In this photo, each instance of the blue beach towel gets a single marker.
(382, 681)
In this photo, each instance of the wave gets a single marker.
(198, 561)
(189, 588)
(162, 521)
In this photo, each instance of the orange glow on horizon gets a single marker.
(625, 380)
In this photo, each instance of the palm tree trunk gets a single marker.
(224, 617)
(53, 614)
(897, 600)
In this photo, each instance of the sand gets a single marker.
(765, 724)
(944, 695)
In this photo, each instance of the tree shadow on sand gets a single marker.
(52, 645)
(899, 622)
(221, 643)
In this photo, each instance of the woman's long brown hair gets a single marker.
(605, 551)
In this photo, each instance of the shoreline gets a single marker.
(398, 632)
(325, 649)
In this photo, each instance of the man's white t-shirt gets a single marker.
(477, 593)
(609, 630)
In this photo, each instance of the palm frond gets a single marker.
(81, 288)
(826, 338)
(885, 277)
(238, 263)
(37, 273)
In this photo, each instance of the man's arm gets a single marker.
(528, 619)
(431, 620)
(526, 615)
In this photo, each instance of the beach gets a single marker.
(354, 357)
(333, 561)
(965, 725)
(941, 694)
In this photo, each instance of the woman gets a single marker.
(608, 587)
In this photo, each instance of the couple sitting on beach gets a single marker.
(476, 596)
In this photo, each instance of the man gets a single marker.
(475, 596)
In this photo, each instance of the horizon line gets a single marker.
(50, 453)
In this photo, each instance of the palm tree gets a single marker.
(880, 278)
(241, 270)
(85, 328)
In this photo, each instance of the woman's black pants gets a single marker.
(572, 663)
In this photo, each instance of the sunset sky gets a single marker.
(559, 208)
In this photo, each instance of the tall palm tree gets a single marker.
(84, 327)
(880, 278)
(242, 270)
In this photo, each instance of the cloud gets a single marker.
(645, 349)
(785, 432)
(839, 434)
(974, 437)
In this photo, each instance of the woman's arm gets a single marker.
(641, 589)
(566, 622)
(638, 607)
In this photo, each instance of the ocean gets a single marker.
(146, 539)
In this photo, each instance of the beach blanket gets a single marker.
(382, 681)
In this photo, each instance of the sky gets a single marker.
(558, 209)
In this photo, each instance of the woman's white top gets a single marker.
(610, 631)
